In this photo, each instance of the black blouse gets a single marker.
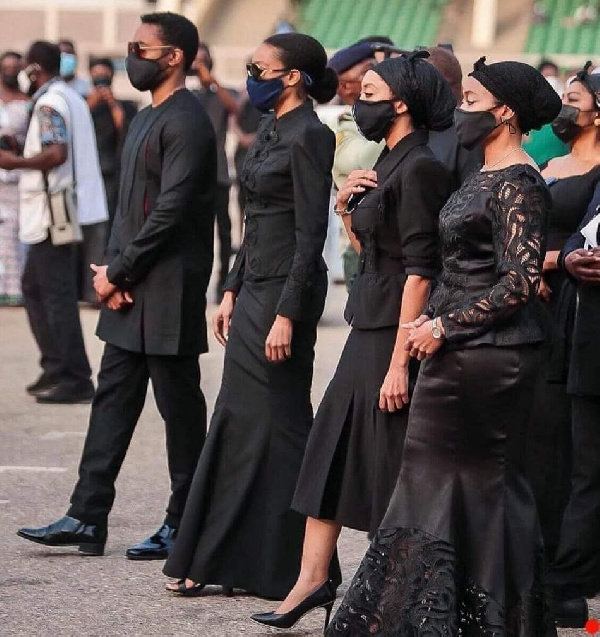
(287, 181)
(397, 227)
(493, 233)
(570, 199)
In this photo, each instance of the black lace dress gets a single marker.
(237, 529)
(459, 552)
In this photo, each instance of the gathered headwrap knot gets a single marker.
(427, 95)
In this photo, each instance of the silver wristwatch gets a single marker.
(436, 330)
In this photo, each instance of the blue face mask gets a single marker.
(68, 64)
(264, 93)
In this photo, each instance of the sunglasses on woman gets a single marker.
(136, 48)
(256, 72)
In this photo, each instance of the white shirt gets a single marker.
(34, 215)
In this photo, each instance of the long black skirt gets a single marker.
(459, 551)
(237, 529)
(354, 451)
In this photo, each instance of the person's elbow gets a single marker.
(55, 155)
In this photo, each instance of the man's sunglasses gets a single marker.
(136, 48)
(255, 72)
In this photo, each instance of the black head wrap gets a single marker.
(421, 87)
(591, 82)
(522, 88)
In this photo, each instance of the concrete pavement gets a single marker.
(45, 592)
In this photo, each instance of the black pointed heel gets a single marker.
(227, 591)
(92, 549)
(323, 597)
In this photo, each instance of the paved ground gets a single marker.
(59, 592)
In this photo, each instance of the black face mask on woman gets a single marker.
(144, 75)
(472, 127)
(374, 118)
(565, 126)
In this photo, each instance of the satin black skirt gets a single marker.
(354, 450)
(459, 551)
(237, 529)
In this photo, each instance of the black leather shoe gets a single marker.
(323, 597)
(155, 547)
(67, 395)
(90, 538)
(41, 386)
(571, 613)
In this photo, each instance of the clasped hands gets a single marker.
(108, 293)
(421, 343)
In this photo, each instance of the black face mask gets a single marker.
(374, 118)
(472, 127)
(565, 126)
(144, 75)
(10, 81)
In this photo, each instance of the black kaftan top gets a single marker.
(397, 227)
(287, 182)
(493, 233)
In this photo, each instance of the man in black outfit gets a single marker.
(111, 118)
(153, 289)
(220, 103)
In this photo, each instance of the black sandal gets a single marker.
(186, 591)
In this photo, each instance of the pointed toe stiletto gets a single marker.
(186, 591)
(323, 597)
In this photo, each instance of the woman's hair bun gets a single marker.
(323, 89)
(307, 55)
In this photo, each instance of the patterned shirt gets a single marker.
(53, 128)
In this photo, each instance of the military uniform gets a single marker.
(352, 152)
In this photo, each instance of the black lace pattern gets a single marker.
(411, 584)
(474, 296)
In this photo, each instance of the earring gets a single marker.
(511, 129)
(597, 122)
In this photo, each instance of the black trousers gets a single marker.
(221, 203)
(50, 294)
(576, 568)
(119, 400)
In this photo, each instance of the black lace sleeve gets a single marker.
(519, 207)
(311, 162)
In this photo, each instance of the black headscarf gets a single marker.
(522, 88)
(421, 87)
(591, 82)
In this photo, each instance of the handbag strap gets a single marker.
(73, 162)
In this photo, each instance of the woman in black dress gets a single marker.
(459, 551)
(353, 453)
(575, 571)
(237, 529)
(572, 180)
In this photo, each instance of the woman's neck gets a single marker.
(398, 131)
(288, 103)
(503, 151)
(586, 148)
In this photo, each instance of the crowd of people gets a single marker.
(460, 427)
